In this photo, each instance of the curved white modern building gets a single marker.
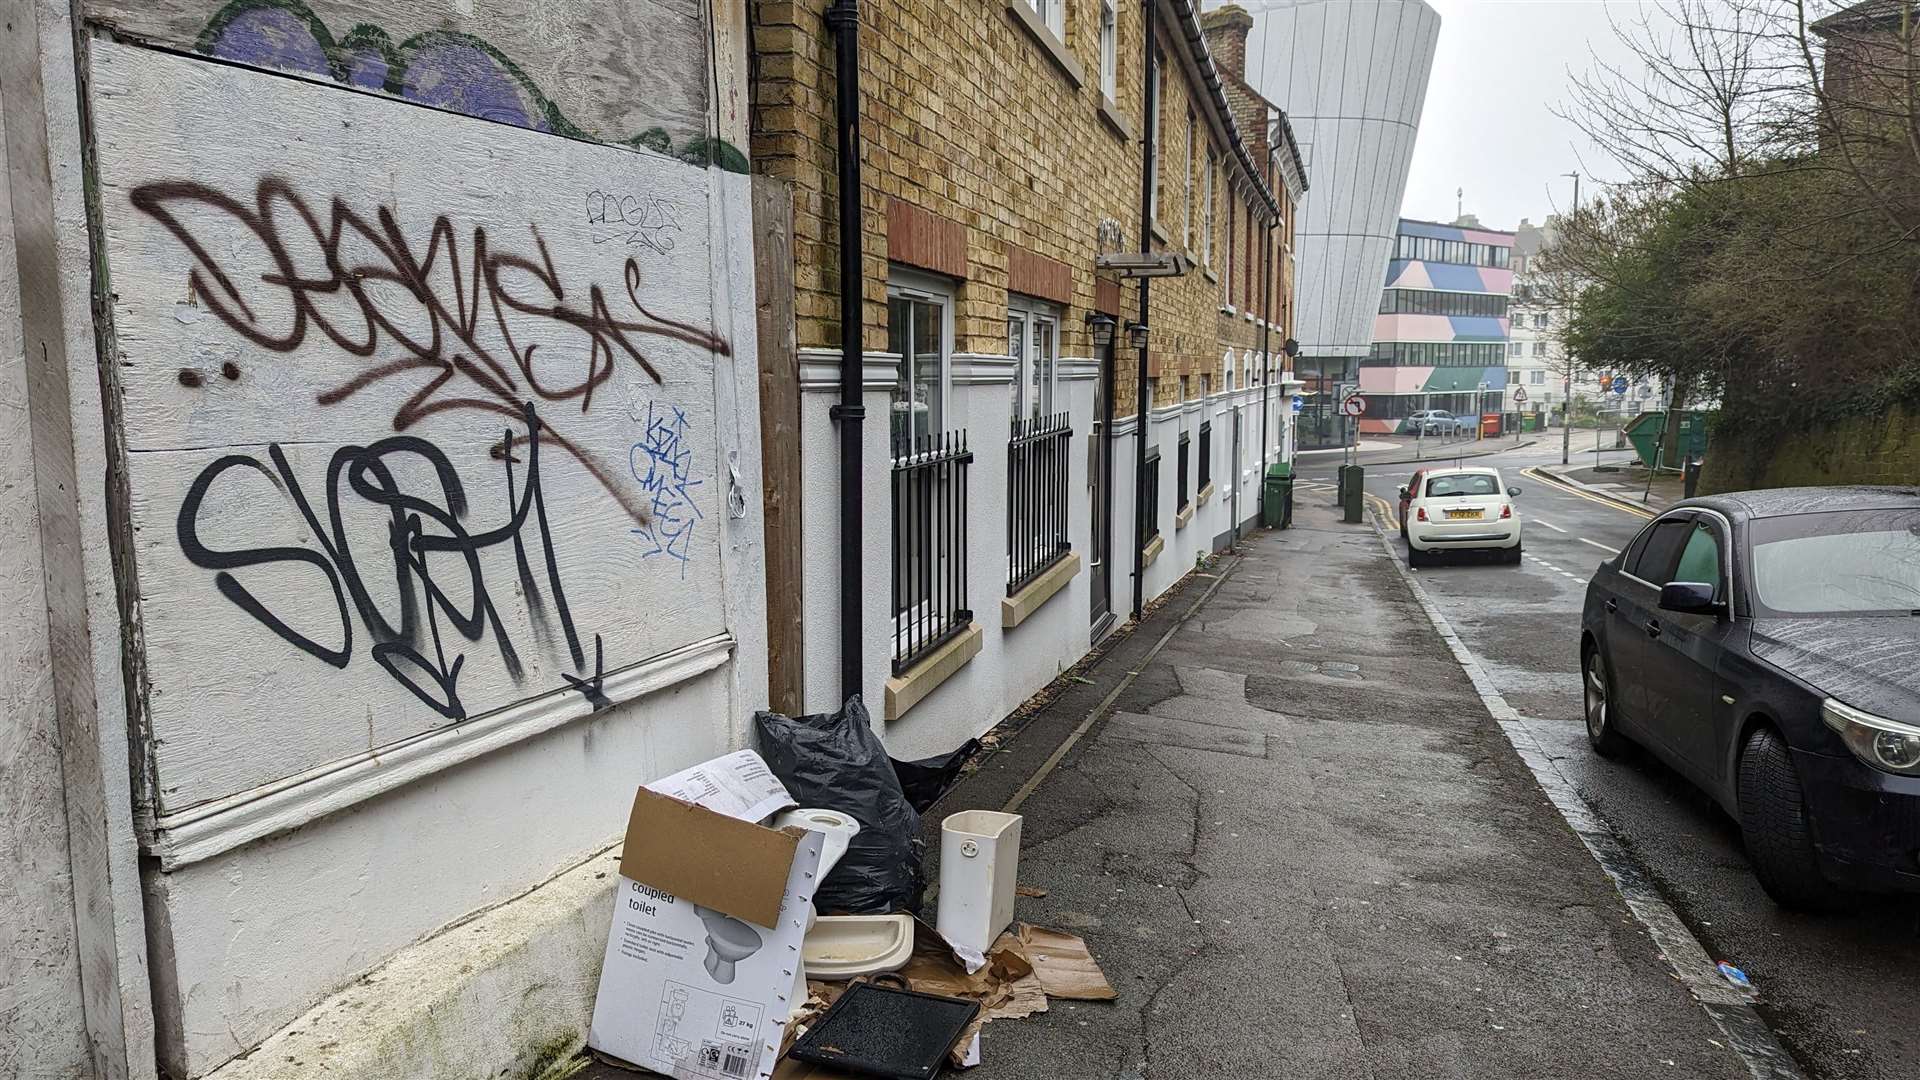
(1352, 78)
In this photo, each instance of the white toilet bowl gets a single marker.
(838, 830)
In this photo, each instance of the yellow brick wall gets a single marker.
(965, 115)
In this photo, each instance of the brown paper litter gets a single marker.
(1060, 961)
(1027, 965)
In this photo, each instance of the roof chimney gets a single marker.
(1226, 29)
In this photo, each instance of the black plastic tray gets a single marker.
(882, 1031)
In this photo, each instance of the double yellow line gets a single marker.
(1534, 473)
(1384, 508)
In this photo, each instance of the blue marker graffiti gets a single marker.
(662, 462)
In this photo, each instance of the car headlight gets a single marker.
(1887, 745)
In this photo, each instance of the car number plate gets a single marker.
(1463, 515)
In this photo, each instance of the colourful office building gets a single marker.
(1440, 337)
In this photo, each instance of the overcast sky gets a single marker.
(1501, 69)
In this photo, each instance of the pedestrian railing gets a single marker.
(1149, 525)
(929, 544)
(1037, 497)
(1206, 455)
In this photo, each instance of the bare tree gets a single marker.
(1763, 241)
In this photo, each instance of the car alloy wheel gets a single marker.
(1597, 695)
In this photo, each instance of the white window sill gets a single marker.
(1111, 114)
(1048, 41)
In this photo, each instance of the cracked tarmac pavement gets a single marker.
(1299, 847)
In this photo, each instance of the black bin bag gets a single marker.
(834, 761)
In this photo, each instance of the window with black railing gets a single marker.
(1037, 462)
(1206, 455)
(1182, 458)
(929, 544)
(1150, 499)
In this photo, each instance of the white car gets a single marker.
(1461, 509)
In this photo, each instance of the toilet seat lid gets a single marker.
(837, 828)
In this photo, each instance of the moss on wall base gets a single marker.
(1883, 449)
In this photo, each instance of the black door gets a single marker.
(1100, 478)
(1683, 655)
(1631, 610)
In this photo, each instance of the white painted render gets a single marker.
(1013, 663)
(1352, 78)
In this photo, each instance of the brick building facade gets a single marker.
(1002, 152)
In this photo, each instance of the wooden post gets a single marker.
(779, 439)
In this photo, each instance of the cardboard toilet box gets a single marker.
(707, 926)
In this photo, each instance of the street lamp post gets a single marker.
(1566, 410)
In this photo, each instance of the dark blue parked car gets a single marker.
(1766, 644)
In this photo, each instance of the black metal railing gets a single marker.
(1037, 463)
(1206, 455)
(1183, 457)
(929, 544)
(1150, 499)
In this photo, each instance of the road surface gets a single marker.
(1842, 992)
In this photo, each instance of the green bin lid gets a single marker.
(1280, 468)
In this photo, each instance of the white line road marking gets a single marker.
(1601, 546)
(1549, 525)
(1748, 1036)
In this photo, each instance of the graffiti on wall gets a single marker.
(455, 284)
(440, 68)
(419, 524)
(663, 464)
(407, 445)
(426, 329)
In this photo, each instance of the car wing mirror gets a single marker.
(1689, 598)
(1403, 491)
(1513, 492)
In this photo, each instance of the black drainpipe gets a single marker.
(843, 20)
(1141, 402)
(1266, 343)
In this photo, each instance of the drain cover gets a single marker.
(881, 1031)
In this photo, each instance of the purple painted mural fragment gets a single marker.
(271, 37)
(442, 69)
(463, 78)
(367, 68)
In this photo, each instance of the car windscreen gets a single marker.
(1851, 562)
(1462, 484)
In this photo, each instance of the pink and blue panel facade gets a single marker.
(1439, 361)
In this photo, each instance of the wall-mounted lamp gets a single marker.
(1137, 335)
(1101, 326)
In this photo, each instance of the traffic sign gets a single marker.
(1619, 385)
(1299, 403)
(1353, 406)
(1519, 395)
(1606, 382)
